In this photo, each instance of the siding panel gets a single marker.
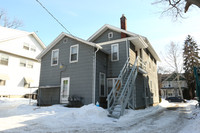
(80, 72)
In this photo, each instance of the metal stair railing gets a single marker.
(127, 89)
(141, 63)
(111, 98)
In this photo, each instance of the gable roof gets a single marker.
(107, 26)
(7, 34)
(173, 77)
(63, 34)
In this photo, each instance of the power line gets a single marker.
(54, 17)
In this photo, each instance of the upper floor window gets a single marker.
(30, 64)
(74, 53)
(4, 59)
(54, 57)
(23, 63)
(33, 48)
(26, 46)
(110, 35)
(114, 52)
(2, 82)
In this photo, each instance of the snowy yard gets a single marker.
(18, 116)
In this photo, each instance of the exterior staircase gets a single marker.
(122, 93)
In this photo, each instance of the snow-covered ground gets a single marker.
(21, 115)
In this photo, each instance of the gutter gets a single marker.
(94, 76)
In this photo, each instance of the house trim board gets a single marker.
(8, 53)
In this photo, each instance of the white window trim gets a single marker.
(112, 52)
(110, 35)
(77, 45)
(52, 57)
(100, 84)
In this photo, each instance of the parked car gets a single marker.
(175, 99)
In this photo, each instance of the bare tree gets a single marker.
(174, 61)
(6, 22)
(177, 7)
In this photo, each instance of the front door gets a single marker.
(64, 91)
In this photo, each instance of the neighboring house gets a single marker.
(19, 68)
(99, 68)
(170, 87)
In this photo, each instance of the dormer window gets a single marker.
(110, 35)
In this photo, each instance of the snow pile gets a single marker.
(22, 115)
(194, 119)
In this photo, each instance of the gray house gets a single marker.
(115, 67)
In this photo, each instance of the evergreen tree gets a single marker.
(190, 59)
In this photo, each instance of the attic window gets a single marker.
(26, 46)
(33, 48)
(110, 35)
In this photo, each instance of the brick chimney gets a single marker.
(123, 25)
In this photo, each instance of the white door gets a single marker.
(64, 91)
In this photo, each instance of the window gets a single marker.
(74, 53)
(4, 59)
(26, 46)
(110, 83)
(102, 78)
(22, 63)
(33, 48)
(54, 57)
(114, 52)
(30, 64)
(2, 82)
(110, 35)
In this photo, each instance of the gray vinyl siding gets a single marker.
(132, 53)
(49, 96)
(101, 66)
(104, 37)
(80, 73)
(140, 102)
(114, 67)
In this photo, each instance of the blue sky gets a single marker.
(83, 18)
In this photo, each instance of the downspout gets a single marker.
(94, 76)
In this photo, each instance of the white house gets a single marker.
(19, 68)
(170, 85)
